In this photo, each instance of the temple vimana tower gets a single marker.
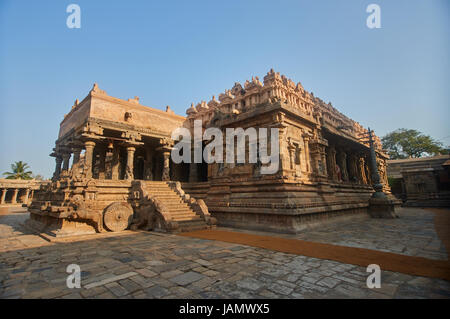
(114, 169)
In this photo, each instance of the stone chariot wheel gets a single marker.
(118, 216)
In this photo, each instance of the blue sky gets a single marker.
(178, 52)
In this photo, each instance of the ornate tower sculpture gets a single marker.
(380, 206)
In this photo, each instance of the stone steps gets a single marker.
(180, 211)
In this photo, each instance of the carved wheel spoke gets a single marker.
(118, 216)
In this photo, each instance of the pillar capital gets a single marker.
(89, 144)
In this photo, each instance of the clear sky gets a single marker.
(178, 52)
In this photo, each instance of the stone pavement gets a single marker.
(155, 265)
(412, 234)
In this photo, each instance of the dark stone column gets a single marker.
(57, 172)
(66, 159)
(102, 168)
(166, 166)
(331, 163)
(342, 162)
(76, 155)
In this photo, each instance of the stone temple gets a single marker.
(114, 169)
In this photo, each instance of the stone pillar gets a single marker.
(284, 158)
(324, 161)
(130, 161)
(14, 197)
(2, 200)
(57, 172)
(331, 162)
(166, 166)
(102, 169)
(89, 146)
(115, 164)
(362, 171)
(307, 155)
(342, 162)
(66, 159)
(353, 169)
(27, 195)
(368, 171)
(76, 155)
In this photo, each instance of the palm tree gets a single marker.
(19, 171)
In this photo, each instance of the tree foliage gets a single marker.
(405, 143)
(19, 171)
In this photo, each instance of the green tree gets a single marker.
(19, 171)
(405, 143)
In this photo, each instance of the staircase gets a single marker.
(179, 211)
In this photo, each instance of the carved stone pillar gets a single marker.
(14, 197)
(76, 155)
(2, 200)
(115, 164)
(166, 166)
(324, 161)
(368, 171)
(66, 159)
(58, 160)
(307, 155)
(331, 162)
(362, 171)
(89, 146)
(102, 167)
(130, 163)
(353, 168)
(342, 162)
(284, 158)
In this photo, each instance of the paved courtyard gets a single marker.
(155, 265)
